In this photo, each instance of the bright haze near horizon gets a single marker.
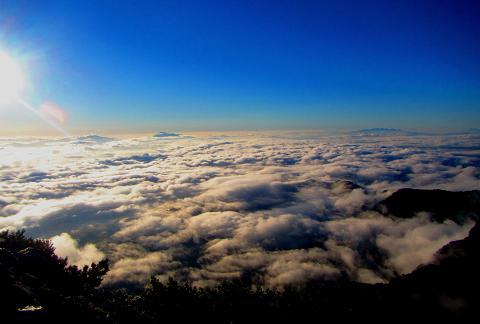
(206, 140)
(138, 67)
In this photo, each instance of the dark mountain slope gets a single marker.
(441, 204)
(450, 285)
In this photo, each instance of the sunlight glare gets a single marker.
(11, 78)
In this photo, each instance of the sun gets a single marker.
(11, 78)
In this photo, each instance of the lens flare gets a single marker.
(48, 121)
(53, 112)
(12, 81)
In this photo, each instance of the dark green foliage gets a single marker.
(32, 274)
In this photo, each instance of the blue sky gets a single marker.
(232, 65)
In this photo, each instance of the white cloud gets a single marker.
(288, 208)
(138, 269)
(414, 242)
(67, 247)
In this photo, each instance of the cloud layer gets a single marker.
(280, 208)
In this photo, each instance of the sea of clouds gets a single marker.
(281, 208)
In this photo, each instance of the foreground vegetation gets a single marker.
(36, 285)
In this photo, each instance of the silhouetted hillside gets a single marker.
(441, 204)
(449, 285)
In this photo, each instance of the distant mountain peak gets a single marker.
(166, 134)
(93, 138)
(382, 131)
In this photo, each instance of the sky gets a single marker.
(147, 66)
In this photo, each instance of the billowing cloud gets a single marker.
(67, 247)
(137, 269)
(280, 208)
(415, 242)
